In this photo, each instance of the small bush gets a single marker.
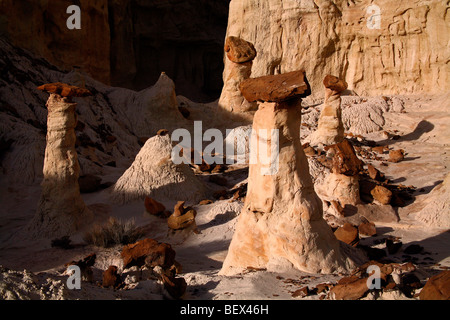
(113, 232)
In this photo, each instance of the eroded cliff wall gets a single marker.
(401, 48)
(40, 26)
(127, 43)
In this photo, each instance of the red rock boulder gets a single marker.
(348, 234)
(238, 50)
(65, 90)
(276, 88)
(153, 207)
(437, 287)
(148, 251)
(111, 278)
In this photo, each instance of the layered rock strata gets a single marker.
(405, 50)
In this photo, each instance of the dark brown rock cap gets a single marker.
(276, 88)
(238, 50)
(65, 90)
(334, 83)
(345, 160)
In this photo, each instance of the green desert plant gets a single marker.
(115, 231)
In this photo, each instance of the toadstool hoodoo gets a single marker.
(282, 216)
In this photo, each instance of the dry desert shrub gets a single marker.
(115, 231)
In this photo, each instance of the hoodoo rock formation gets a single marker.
(281, 222)
(154, 174)
(330, 128)
(238, 67)
(61, 210)
(342, 184)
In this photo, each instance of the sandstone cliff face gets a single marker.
(408, 53)
(183, 38)
(40, 26)
(127, 43)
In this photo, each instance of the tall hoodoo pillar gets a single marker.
(238, 67)
(330, 128)
(61, 210)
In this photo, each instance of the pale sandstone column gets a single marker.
(61, 210)
(281, 222)
(330, 128)
(240, 54)
(342, 184)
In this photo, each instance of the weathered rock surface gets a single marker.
(85, 266)
(345, 160)
(393, 276)
(238, 50)
(238, 68)
(128, 44)
(330, 128)
(277, 88)
(182, 217)
(367, 228)
(349, 288)
(42, 29)
(153, 108)
(153, 207)
(374, 173)
(176, 286)
(407, 53)
(382, 195)
(282, 216)
(65, 90)
(396, 155)
(61, 210)
(341, 188)
(148, 252)
(348, 234)
(154, 174)
(343, 182)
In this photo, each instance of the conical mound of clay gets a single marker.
(154, 174)
(436, 212)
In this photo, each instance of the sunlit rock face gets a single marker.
(383, 47)
(281, 223)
